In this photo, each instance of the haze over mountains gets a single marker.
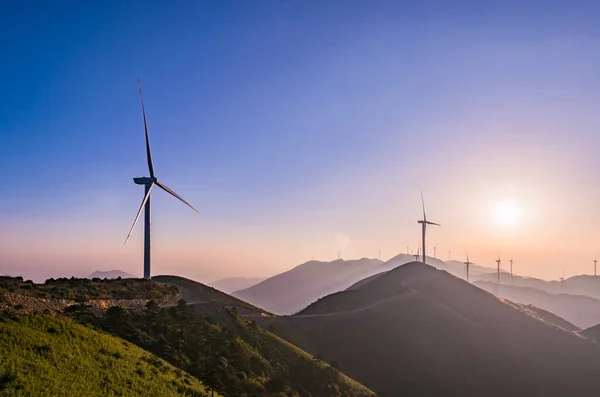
(581, 310)
(417, 331)
(232, 284)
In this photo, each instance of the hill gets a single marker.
(593, 333)
(199, 294)
(583, 311)
(47, 356)
(418, 331)
(232, 284)
(293, 290)
(110, 274)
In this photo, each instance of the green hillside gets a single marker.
(234, 356)
(47, 356)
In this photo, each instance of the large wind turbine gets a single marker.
(424, 224)
(149, 183)
(468, 263)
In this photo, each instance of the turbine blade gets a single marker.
(148, 155)
(139, 212)
(423, 205)
(433, 223)
(166, 189)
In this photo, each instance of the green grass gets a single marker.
(46, 356)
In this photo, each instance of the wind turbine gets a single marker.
(149, 183)
(424, 224)
(498, 265)
(435, 252)
(562, 280)
(595, 261)
(468, 263)
(512, 281)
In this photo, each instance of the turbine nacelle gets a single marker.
(144, 180)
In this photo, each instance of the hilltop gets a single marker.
(48, 356)
(232, 284)
(418, 331)
(583, 311)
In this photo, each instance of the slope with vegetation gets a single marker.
(418, 331)
(227, 353)
(47, 356)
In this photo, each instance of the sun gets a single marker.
(505, 213)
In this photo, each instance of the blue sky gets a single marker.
(287, 123)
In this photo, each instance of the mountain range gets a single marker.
(581, 310)
(419, 331)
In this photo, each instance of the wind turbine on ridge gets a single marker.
(595, 261)
(512, 281)
(498, 265)
(149, 183)
(468, 263)
(424, 222)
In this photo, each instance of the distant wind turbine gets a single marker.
(435, 252)
(512, 281)
(562, 280)
(149, 183)
(424, 222)
(595, 261)
(498, 265)
(449, 254)
(468, 263)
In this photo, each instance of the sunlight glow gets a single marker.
(505, 213)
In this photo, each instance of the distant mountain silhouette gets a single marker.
(418, 331)
(576, 285)
(111, 274)
(581, 310)
(293, 290)
(231, 284)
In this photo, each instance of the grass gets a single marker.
(47, 356)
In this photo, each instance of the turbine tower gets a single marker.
(468, 263)
(512, 281)
(498, 265)
(149, 183)
(595, 261)
(424, 224)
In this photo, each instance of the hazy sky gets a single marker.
(298, 129)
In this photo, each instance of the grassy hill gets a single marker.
(47, 356)
(418, 331)
(211, 341)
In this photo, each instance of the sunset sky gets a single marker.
(299, 130)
